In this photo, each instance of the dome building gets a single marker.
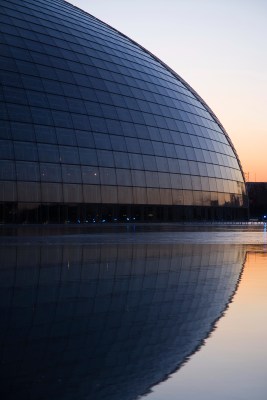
(96, 128)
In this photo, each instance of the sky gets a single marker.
(219, 47)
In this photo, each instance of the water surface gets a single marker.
(232, 363)
(176, 313)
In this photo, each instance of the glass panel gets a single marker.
(138, 178)
(27, 171)
(190, 153)
(133, 145)
(153, 196)
(29, 191)
(184, 167)
(174, 165)
(186, 182)
(48, 152)
(25, 151)
(180, 151)
(118, 143)
(102, 141)
(109, 194)
(51, 192)
(150, 163)
(69, 155)
(188, 197)
(45, 134)
(164, 180)
(121, 160)
(50, 172)
(41, 116)
(170, 150)
(213, 184)
(8, 192)
(152, 179)
(107, 176)
(124, 177)
(202, 169)
(176, 181)
(71, 174)
(220, 186)
(7, 170)
(199, 155)
(205, 183)
(85, 139)
(193, 167)
(125, 196)
(5, 131)
(88, 156)
(6, 149)
(136, 161)
(105, 158)
(162, 164)
(146, 147)
(21, 131)
(90, 175)
(159, 149)
(196, 182)
(66, 136)
(166, 196)
(198, 198)
(72, 194)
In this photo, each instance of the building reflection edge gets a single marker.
(107, 320)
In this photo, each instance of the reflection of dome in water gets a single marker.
(94, 126)
(107, 321)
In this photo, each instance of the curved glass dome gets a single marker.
(94, 127)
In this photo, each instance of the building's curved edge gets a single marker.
(177, 76)
(202, 343)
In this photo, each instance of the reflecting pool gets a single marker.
(108, 317)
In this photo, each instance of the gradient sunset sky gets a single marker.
(219, 47)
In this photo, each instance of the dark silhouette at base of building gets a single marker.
(257, 194)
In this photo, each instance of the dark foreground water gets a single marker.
(176, 314)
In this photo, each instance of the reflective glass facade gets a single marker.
(96, 128)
